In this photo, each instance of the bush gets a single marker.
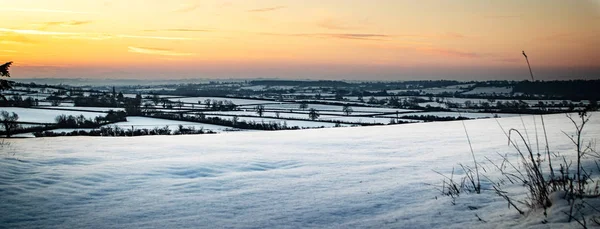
(544, 181)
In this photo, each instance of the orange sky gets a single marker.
(318, 39)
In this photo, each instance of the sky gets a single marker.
(309, 39)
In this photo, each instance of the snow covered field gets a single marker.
(46, 115)
(489, 90)
(322, 107)
(151, 123)
(289, 123)
(453, 114)
(362, 177)
(233, 100)
(93, 109)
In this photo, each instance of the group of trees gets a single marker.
(313, 114)
(234, 122)
(219, 105)
(116, 131)
(433, 118)
(568, 89)
(70, 121)
(18, 101)
(132, 105)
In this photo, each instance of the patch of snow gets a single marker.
(489, 90)
(46, 115)
(151, 123)
(97, 109)
(235, 101)
(364, 177)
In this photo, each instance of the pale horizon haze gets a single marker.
(288, 39)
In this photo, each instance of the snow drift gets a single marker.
(367, 177)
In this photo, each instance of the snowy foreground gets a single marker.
(356, 177)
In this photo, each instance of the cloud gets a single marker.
(90, 36)
(11, 38)
(34, 32)
(95, 37)
(157, 51)
(266, 9)
(186, 8)
(451, 52)
(156, 37)
(45, 25)
(42, 11)
(66, 23)
(370, 36)
(351, 36)
(329, 23)
(177, 30)
(558, 37)
(224, 4)
(447, 35)
(509, 60)
(357, 36)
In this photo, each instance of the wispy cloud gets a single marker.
(91, 36)
(351, 36)
(509, 60)
(177, 30)
(95, 37)
(33, 10)
(451, 52)
(357, 36)
(186, 8)
(266, 9)
(448, 35)
(35, 32)
(62, 23)
(156, 37)
(11, 38)
(330, 23)
(157, 51)
(558, 37)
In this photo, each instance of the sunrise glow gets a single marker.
(328, 39)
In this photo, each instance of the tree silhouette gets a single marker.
(313, 114)
(4, 84)
(120, 96)
(303, 105)
(347, 110)
(260, 110)
(155, 99)
(9, 121)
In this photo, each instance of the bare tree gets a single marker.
(260, 110)
(303, 105)
(347, 110)
(9, 121)
(313, 114)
